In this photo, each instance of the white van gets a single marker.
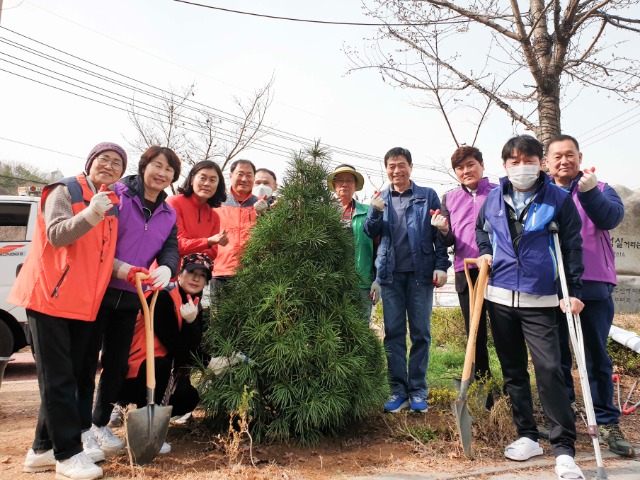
(17, 223)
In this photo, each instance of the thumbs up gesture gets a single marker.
(189, 310)
(439, 221)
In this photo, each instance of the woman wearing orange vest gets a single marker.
(61, 285)
(198, 224)
(178, 331)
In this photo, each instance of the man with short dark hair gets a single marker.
(265, 184)
(600, 209)
(410, 260)
(521, 298)
(237, 216)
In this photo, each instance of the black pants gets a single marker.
(114, 331)
(513, 330)
(482, 352)
(215, 284)
(184, 399)
(65, 380)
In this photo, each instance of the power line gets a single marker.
(40, 148)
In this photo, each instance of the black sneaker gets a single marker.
(612, 436)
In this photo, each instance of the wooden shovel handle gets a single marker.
(476, 293)
(148, 331)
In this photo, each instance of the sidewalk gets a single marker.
(617, 469)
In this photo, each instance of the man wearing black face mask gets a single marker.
(511, 232)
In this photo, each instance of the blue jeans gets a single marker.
(406, 300)
(596, 319)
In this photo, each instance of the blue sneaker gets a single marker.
(419, 404)
(396, 403)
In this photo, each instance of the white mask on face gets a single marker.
(261, 191)
(523, 177)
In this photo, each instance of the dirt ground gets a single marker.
(383, 443)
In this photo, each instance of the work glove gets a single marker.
(131, 276)
(160, 277)
(439, 278)
(219, 365)
(588, 181)
(377, 202)
(374, 293)
(219, 239)
(439, 221)
(101, 203)
(189, 310)
(260, 206)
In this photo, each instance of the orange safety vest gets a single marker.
(238, 221)
(138, 351)
(69, 281)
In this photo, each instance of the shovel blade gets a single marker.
(146, 431)
(463, 422)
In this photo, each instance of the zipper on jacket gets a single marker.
(604, 253)
(57, 288)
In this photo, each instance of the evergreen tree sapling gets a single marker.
(295, 309)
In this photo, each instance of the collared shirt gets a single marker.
(399, 203)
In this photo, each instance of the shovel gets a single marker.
(147, 427)
(476, 298)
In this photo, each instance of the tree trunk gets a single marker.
(548, 111)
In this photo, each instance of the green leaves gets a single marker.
(295, 309)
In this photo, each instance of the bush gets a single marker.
(626, 360)
(295, 309)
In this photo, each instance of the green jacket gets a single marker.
(364, 246)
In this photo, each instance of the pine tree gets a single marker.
(295, 309)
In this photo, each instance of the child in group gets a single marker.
(178, 329)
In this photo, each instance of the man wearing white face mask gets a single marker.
(511, 232)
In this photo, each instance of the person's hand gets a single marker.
(575, 305)
(377, 202)
(588, 180)
(219, 239)
(101, 203)
(261, 206)
(160, 277)
(131, 276)
(374, 293)
(439, 221)
(189, 310)
(439, 278)
(486, 257)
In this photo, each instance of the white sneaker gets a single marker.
(78, 467)
(182, 419)
(39, 462)
(106, 439)
(91, 447)
(166, 448)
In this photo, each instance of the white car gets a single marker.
(17, 223)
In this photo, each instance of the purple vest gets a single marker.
(139, 241)
(597, 252)
(463, 210)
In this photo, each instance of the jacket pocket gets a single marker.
(59, 284)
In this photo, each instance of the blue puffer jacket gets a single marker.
(532, 266)
(427, 251)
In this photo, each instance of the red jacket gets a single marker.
(70, 281)
(237, 218)
(196, 223)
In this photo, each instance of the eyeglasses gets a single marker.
(105, 162)
(347, 180)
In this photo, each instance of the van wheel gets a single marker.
(6, 340)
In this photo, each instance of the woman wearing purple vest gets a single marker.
(456, 224)
(147, 231)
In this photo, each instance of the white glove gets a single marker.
(160, 277)
(219, 365)
(100, 203)
(377, 202)
(588, 180)
(374, 293)
(260, 206)
(439, 221)
(439, 278)
(189, 310)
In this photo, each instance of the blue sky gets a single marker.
(169, 44)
